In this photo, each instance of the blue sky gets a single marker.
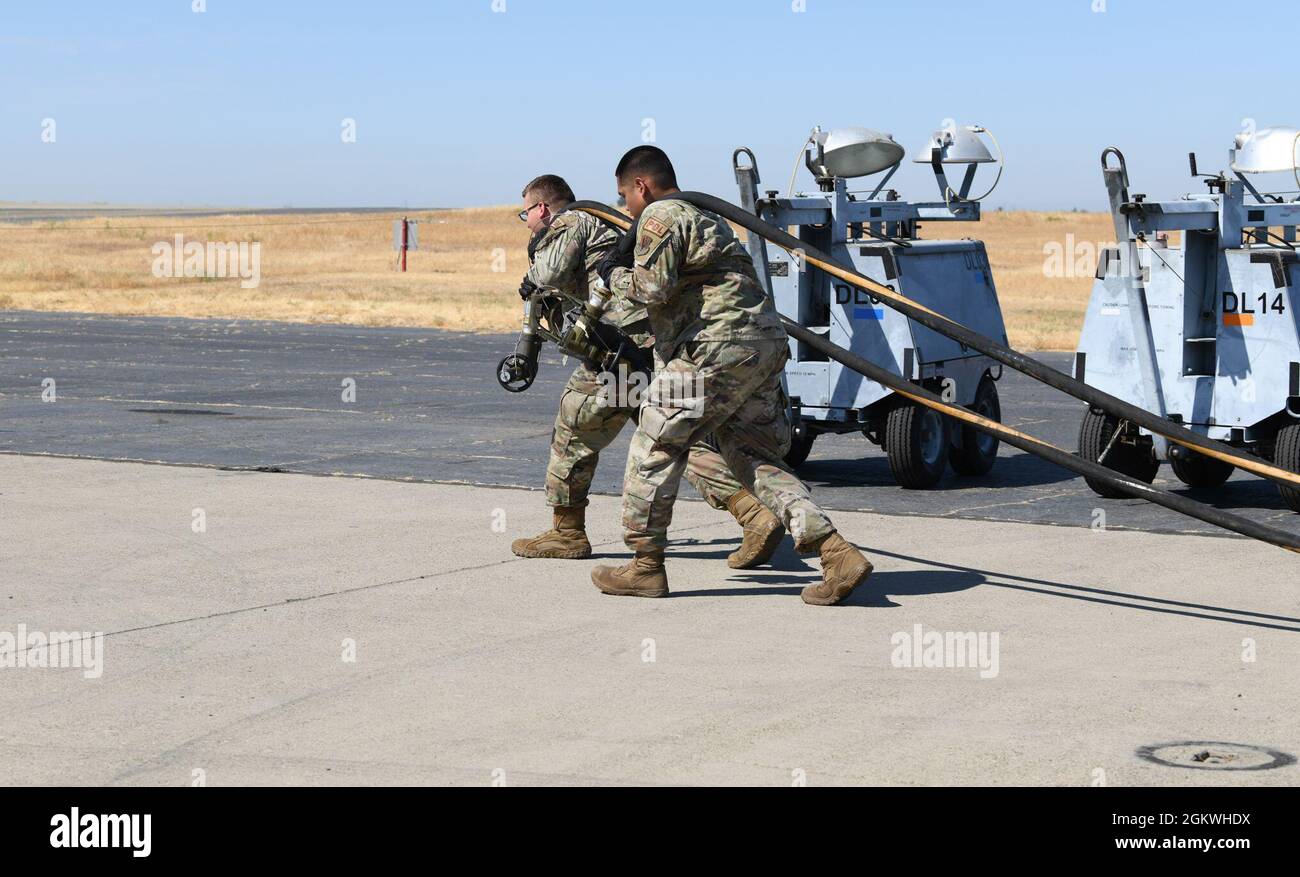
(457, 104)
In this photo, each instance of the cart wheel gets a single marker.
(1198, 470)
(800, 447)
(978, 449)
(1094, 435)
(916, 441)
(1287, 455)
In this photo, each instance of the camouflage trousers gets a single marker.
(585, 426)
(732, 390)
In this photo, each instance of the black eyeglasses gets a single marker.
(523, 214)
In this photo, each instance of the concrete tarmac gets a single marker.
(320, 630)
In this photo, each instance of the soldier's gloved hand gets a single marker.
(619, 257)
(580, 334)
(527, 288)
(578, 339)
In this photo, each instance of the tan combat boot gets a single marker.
(762, 529)
(567, 538)
(643, 577)
(844, 567)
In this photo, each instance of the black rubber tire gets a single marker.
(916, 442)
(1198, 470)
(1286, 455)
(979, 450)
(1094, 434)
(799, 450)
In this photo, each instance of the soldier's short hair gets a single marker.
(647, 161)
(551, 189)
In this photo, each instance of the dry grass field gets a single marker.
(340, 268)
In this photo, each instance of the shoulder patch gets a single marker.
(654, 227)
(559, 225)
(564, 220)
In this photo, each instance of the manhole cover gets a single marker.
(1215, 756)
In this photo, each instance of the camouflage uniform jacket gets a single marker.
(565, 260)
(696, 280)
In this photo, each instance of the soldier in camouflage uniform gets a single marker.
(719, 352)
(567, 247)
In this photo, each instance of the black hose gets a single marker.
(1169, 429)
(1047, 451)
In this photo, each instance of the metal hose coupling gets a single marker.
(597, 300)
